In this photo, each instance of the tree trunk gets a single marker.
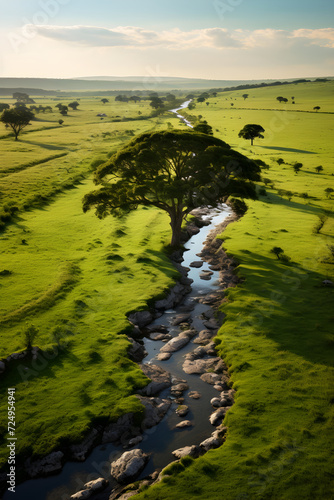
(252, 141)
(176, 223)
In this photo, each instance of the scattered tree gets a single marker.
(175, 171)
(23, 97)
(200, 99)
(104, 100)
(156, 102)
(277, 251)
(319, 169)
(170, 97)
(60, 121)
(74, 105)
(3, 106)
(251, 131)
(297, 166)
(245, 96)
(289, 195)
(280, 161)
(316, 108)
(135, 98)
(328, 192)
(16, 119)
(204, 128)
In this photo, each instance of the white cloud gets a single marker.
(218, 38)
(322, 37)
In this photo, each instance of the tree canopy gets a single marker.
(175, 171)
(251, 131)
(17, 119)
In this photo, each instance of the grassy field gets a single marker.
(75, 278)
(278, 336)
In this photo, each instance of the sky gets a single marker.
(212, 39)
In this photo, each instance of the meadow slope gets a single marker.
(277, 338)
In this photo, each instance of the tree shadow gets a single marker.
(45, 146)
(291, 307)
(289, 150)
(295, 205)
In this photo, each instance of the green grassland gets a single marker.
(73, 277)
(277, 338)
(77, 277)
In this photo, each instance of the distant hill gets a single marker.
(45, 86)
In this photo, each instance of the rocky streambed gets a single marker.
(188, 395)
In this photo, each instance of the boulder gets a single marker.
(155, 410)
(113, 432)
(181, 318)
(211, 324)
(160, 379)
(217, 416)
(210, 443)
(80, 451)
(195, 395)
(216, 402)
(129, 465)
(141, 318)
(163, 356)
(192, 451)
(160, 336)
(197, 353)
(204, 337)
(2, 366)
(97, 485)
(179, 388)
(196, 263)
(137, 351)
(199, 365)
(182, 410)
(50, 464)
(82, 495)
(183, 424)
(175, 344)
(205, 276)
(210, 378)
(134, 441)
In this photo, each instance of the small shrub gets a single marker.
(238, 206)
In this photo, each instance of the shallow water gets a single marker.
(176, 111)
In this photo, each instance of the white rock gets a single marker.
(129, 465)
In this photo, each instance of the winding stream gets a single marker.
(182, 118)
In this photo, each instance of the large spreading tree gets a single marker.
(17, 119)
(251, 131)
(175, 171)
